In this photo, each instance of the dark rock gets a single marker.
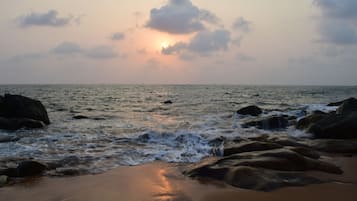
(17, 123)
(335, 126)
(306, 122)
(264, 180)
(279, 159)
(348, 106)
(286, 142)
(249, 146)
(8, 139)
(335, 146)
(65, 171)
(16, 106)
(263, 170)
(307, 152)
(340, 102)
(168, 102)
(3, 180)
(25, 169)
(268, 123)
(250, 110)
(80, 117)
(30, 168)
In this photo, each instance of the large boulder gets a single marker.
(249, 147)
(250, 110)
(268, 123)
(17, 123)
(25, 169)
(306, 122)
(340, 102)
(16, 106)
(348, 106)
(337, 126)
(265, 180)
(334, 146)
(263, 170)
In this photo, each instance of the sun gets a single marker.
(164, 45)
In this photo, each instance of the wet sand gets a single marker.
(164, 182)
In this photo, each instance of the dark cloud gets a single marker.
(67, 48)
(245, 58)
(101, 52)
(118, 36)
(338, 23)
(242, 24)
(98, 52)
(338, 8)
(45, 19)
(338, 33)
(180, 17)
(204, 42)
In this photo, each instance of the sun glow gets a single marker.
(164, 45)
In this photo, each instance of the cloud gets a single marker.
(338, 8)
(245, 58)
(241, 24)
(67, 48)
(50, 19)
(338, 23)
(204, 42)
(101, 52)
(98, 52)
(338, 33)
(180, 17)
(118, 36)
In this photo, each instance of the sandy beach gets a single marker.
(164, 182)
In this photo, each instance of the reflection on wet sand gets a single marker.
(159, 182)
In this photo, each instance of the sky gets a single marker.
(254, 42)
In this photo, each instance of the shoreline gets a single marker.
(164, 181)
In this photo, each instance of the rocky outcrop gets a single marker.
(306, 122)
(268, 163)
(268, 123)
(25, 169)
(21, 112)
(250, 110)
(348, 106)
(336, 125)
(249, 147)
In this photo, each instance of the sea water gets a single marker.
(131, 124)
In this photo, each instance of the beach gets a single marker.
(160, 181)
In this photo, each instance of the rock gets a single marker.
(66, 171)
(264, 180)
(17, 123)
(4, 139)
(306, 122)
(248, 147)
(30, 168)
(268, 123)
(80, 117)
(340, 102)
(168, 102)
(348, 106)
(263, 170)
(337, 126)
(24, 169)
(250, 110)
(307, 152)
(16, 106)
(335, 146)
(3, 180)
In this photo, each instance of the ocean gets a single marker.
(131, 124)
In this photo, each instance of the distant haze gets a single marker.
(287, 42)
